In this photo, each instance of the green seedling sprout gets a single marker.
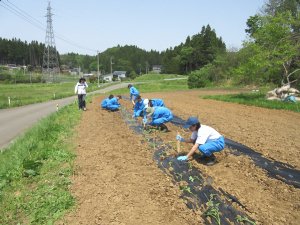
(213, 210)
(244, 219)
(191, 178)
(190, 165)
(178, 175)
(186, 189)
(170, 163)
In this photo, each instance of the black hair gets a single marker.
(119, 96)
(81, 79)
(150, 103)
(129, 85)
(110, 97)
(138, 97)
(198, 125)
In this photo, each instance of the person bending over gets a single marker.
(133, 93)
(159, 116)
(113, 104)
(139, 106)
(205, 139)
(105, 102)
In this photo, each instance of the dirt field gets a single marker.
(118, 183)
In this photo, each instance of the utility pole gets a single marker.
(50, 59)
(111, 63)
(98, 73)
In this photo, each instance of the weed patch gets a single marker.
(35, 172)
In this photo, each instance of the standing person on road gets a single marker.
(133, 93)
(159, 115)
(205, 139)
(80, 90)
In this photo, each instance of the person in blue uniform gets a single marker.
(139, 106)
(105, 101)
(159, 116)
(205, 139)
(154, 102)
(113, 104)
(133, 93)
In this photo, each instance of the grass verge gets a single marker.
(35, 171)
(25, 94)
(255, 99)
(158, 77)
(159, 86)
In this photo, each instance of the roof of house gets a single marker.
(119, 72)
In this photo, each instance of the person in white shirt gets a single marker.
(80, 90)
(205, 139)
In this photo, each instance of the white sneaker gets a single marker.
(84, 109)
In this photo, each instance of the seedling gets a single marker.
(190, 165)
(170, 163)
(186, 189)
(244, 219)
(178, 175)
(213, 209)
(191, 178)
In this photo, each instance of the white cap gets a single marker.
(146, 102)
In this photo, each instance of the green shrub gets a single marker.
(200, 78)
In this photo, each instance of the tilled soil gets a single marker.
(274, 133)
(116, 180)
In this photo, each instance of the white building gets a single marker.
(107, 77)
(156, 68)
(119, 74)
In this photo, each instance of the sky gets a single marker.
(88, 26)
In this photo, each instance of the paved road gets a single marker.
(15, 121)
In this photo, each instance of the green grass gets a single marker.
(159, 86)
(158, 77)
(24, 94)
(35, 171)
(255, 99)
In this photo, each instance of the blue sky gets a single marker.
(156, 24)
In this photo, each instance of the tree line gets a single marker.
(15, 51)
(194, 53)
(270, 55)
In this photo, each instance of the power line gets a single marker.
(36, 23)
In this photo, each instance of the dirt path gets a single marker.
(116, 180)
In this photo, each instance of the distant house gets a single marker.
(12, 66)
(156, 68)
(75, 71)
(107, 77)
(88, 74)
(119, 74)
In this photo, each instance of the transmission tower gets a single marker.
(50, 59)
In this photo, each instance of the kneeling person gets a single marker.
(154, 102)
(139, 106)
(105, 102)
(159, 115)
(206, 139)
(113, 104)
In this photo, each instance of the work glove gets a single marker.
(179, 138)
(145, 120)
(182, 158)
